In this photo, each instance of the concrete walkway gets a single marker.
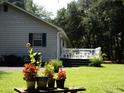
(7, 69)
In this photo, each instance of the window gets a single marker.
(37, 39)
(5, 8)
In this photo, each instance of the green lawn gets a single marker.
(107, 79)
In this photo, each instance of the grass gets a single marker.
(107, 79)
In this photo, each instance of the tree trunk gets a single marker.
(121, 49)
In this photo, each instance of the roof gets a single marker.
(30, 14)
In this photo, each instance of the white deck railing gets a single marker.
(79, 53)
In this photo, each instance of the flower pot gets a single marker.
(51, 83)
(30, 85)
(42, 82)
(60, 83)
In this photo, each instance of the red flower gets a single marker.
(30, 71)
(61, 74)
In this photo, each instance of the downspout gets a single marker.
(58, 45)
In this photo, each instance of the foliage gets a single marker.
(2, 0)
(56, 64)
(37, 10)
(30, 72)
(19, 3)
(96, 60)
(110, 16)
(53, 69)
(70, 23)
(40, 12)
(49, 70)
(35, 57)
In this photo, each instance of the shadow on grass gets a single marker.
(3, 73)
(84, 66)
(108, 91)
(94, 66)
(120, 89)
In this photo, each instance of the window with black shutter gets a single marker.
(37, 39)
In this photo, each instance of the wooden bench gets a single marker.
(55, 90)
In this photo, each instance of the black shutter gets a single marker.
(30, 38)
(43, 39)
(5, 8)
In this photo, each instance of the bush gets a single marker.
(25, 59)
(11, 60)
(96, 60)
(2, 60)
(56, 64)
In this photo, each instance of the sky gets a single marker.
(52, 5)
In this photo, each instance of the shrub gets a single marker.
(11, 60)
(96, 60)
(2, 60)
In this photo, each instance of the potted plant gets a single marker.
(49, 71)
(42, 80)
(60, 78)
(56, 64)
(31, 69)
(30, 72)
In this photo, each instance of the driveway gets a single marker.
(7, 69)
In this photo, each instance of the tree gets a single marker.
(19, 3)
(70, 23)
(110, 14)
(40, 12)
(94, 23)
(29, 6)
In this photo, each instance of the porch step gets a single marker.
(75, 62)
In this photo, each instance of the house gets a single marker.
(18, 27)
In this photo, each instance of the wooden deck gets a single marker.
(75, 62)
(77, 56)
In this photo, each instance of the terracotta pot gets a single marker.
(60, 83)
(42, 82)
(30, 85)
(51, 83)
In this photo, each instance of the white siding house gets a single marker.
(18, 27)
